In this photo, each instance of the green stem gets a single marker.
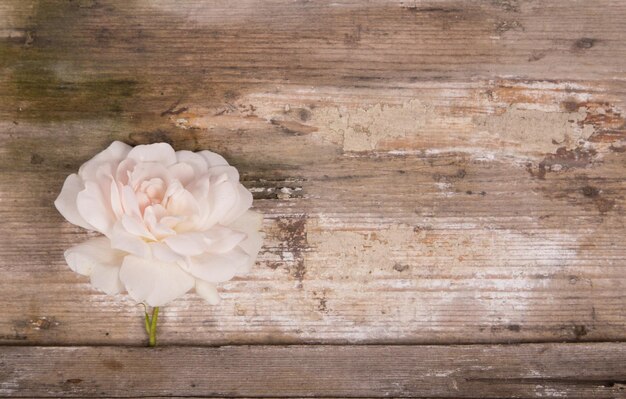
(153, 326)
(147, 320)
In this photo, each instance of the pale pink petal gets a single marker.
(162, 153)
(129, 202)
(116, 199)
(97, 259)
(200, 188)
(148, 171)
(188, 244)
(154, 282)
(193, 159)
(222, 239)
(135, 227)
(83, 256)
(124, 170)
(109, 189)
(243, 203)
(149, 217)
(250, 224)
(171, 221)
(229, 171)
(154, 189)
(217, 268)
(66, 201)
(159, 211)
(95, 208)
(223, 196)
(107, 279)
(164, 253)
(159, 230)
(180, 202)
(124, 241)
(105, 172)
(208, 291)
(142, 200)
(113, 155)
(182, 172)
(213, 159)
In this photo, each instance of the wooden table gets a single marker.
(443, 184)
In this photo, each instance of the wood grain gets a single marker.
(474, 371)
(430, 172)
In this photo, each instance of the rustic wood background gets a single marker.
(444, 181)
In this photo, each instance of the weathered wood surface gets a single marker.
(430, 172)
(583, 370)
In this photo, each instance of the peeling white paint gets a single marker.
(536, 131)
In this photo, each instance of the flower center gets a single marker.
(150, 192)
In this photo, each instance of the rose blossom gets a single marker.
(171, 221)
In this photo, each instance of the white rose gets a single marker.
(171, 221)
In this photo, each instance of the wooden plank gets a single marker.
(430, 172)
(395, 264)
(141, 57)
(475, 371)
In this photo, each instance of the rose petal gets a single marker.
(200, 187)
(208, 291)
(107, 279)
(159, 230)
(124, 241)
(94, 208)
(221, 239)
(243, 203)
(172, 221)
(182, 172)
(161, 153)
(223, 196)
(114, 154)
(159, 211)
(194, 160)
(116, 199)
(135, 227)
(229, 171)
(129, 202)
(153, 188)
(188, 244)
(179, 201)
(83, 256)
(213, 159)
(97, 259)
(109, 189)
(164, 253)
(147, 171)
(149, 217)
(66, 201)
(153, 282)
(104, 172)
(217, 268)
(250, 224)
(124, 169)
